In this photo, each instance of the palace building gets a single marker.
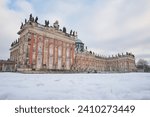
(45, 47)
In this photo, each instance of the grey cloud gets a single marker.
(104, 26)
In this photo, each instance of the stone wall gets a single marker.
(7, 66)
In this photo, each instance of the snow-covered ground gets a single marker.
(75, 86)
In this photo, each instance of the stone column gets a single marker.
(31, 49)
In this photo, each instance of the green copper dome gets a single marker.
(78, 41)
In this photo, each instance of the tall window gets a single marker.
(51, 50)
(68, 64)
(68, 52)
(40, 48)
(59, 51)
(51, 57)
(59, 57)
(39, 56)
(67, 58)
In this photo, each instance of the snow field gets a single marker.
(14, 86)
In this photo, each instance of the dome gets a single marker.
(78, 41)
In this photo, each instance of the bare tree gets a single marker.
(142, 64)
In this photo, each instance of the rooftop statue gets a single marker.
(64, 29)
(56, 25)
(25, 21)
(46, 23)
(21, 26)
(31, 19)
(119, 55)
(76, 34)
(12, 44)
(71, 32)
(36, 20)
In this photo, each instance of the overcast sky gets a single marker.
(105, 26)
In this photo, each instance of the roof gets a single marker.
(78, 41)
(6, 61)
